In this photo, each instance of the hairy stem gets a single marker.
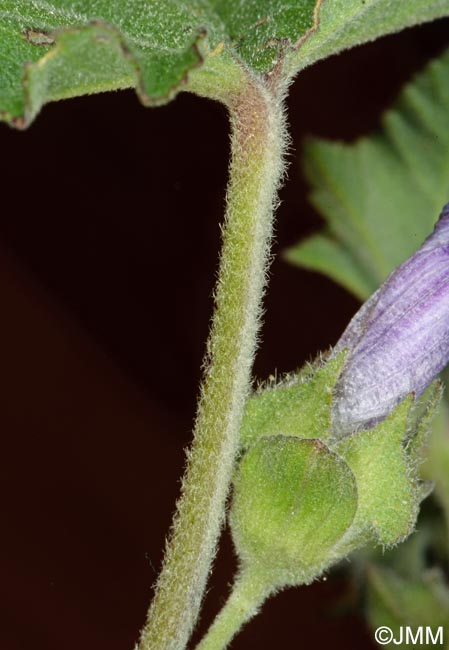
(257, 137)
(248, 594)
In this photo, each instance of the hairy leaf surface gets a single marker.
(55, 49)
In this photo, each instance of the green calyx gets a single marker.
(303, 500)
(294, 499)
(300, 405)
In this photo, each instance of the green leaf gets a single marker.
(341, 24)
(58, 49)
(388, 493)
(55, 49)
(52, 50)
(299, 406)
(397, 602)
(293, 501)
(262, 29)
(382, 195)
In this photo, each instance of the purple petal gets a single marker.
(399, 340)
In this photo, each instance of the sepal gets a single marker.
(294, 500)
(300, 405)
(388, 490)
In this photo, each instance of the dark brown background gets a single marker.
(109, 237)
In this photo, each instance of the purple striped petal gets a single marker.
(399, 340)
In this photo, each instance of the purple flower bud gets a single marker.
(399, 340)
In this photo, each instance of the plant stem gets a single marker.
(248, 594)
(257, 142)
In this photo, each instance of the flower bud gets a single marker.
(399, 340)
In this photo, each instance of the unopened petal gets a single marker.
(399, 340)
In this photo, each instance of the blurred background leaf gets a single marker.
(399, 602)
(381, 195)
